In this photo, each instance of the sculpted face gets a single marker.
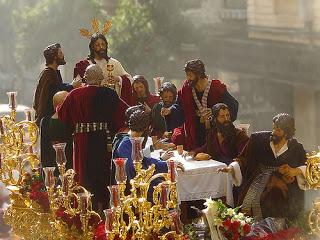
(167, 98)
(100, 48)
(224, 117)
(192, 78)
(277, 134)
(140, 89)
(60, 58)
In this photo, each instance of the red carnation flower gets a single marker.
(227, 223)
(100, 233)
(236, 236)
(235, 226)
(246, 229)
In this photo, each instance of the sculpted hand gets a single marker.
(113, 80)
(165, 112)
(147, 108)
(289, 172)
(167, 155)
(181, 166)
(191, 154)
(228, 169)
(207, 114)
(76, 82)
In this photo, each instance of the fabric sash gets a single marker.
(251, 202)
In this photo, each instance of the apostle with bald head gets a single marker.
(53, 131)
(90, 110)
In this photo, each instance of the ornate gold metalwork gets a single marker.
(26, 216)
(313, 179)
(96, 29)
(134, 214)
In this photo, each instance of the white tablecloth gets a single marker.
(201, 180)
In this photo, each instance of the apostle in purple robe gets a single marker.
(224, 141)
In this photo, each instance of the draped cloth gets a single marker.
(91, 159)
(50, 82)
(126, 90)
(263, 183)
(187, 134)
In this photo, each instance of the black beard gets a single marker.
(141, 99)
(227, 130)
(102, 53)
(61, 61)
(194, 82)
(275, 139)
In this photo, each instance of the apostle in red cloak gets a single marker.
(195, 100)
(114, 74)
(90, 110)
(141, 93)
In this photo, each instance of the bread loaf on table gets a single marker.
(202, 157)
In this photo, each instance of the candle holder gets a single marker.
(136, 213)
(114, 195)
(34, 202)
(61, 158)
(121, 174)
(12, 100)
(28, 114)
(136, 154)
(49, 182)
(157, 84)
(56, 210)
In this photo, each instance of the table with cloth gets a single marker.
(200, 179)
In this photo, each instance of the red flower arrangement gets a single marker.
(33, 186)
(228, 221)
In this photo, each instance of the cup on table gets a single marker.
(180, 149)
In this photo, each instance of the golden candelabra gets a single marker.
(313, 180)
(25, 215)
(40, 208)
(135, 214)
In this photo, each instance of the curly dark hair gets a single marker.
(143, 80)
(216, 109)
(93, 39)
(132, 109)
(168, 86)
(50, 52)
(197, 67)
(285, 122)
(139, 120)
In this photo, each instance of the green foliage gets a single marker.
(49, 21)
(190, 231)
(131, 31)
(147, 35)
